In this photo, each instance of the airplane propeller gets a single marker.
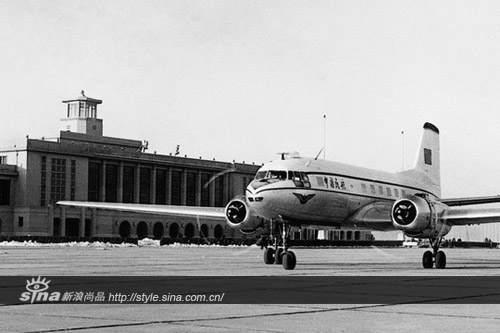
(222, 173)
(405, 212)
(236, 212)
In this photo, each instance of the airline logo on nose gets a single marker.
(304, 198)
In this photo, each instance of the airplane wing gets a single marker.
(377, 215)
(150, 209)
(456, 215)
(470, 201)
(466, 216)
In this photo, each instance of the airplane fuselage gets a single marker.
(317, 192)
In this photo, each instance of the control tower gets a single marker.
(82, 116)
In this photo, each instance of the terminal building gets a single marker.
(84, 165)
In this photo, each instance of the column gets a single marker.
(212, 191)
(153, 186)
(82, 222)
(103, 182)
(227, 188)
(93, 227)
(120, 182)
(50, 209)
(63, 221)
(137, 184)
(169, 186)
(183, 187)
(198, 188)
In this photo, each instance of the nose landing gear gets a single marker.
(280, 255)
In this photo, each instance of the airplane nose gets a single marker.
(256, 184)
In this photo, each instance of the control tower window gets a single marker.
(82, 109)
(72, 110)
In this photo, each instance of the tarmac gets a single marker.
(245, 262)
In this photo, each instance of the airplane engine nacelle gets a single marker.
(240, 216)
(419, 216)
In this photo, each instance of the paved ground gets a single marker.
(243, 261)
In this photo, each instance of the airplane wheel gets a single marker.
(289, 260)
(440, 259)
(293, 255)
(269, 256)
(427, 259)
(278, 256)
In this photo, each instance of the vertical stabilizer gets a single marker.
(428, 161)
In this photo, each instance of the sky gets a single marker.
(243, 80)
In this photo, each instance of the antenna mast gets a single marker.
(402, 150)
(324, 137)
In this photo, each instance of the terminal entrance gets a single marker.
(72, 227)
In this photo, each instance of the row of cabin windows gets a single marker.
(389, 192)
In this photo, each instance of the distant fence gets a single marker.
(119, 240)
(462, 244)
(240, 241)
(340, 243)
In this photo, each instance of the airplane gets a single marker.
(296, 191)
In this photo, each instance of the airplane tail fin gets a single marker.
(427, 164)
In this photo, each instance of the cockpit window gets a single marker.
(299, 178)
(270, 175)
(261, 175)
(279, 175)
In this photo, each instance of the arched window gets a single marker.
(204, 231)
(125, 229)
(189, 231)
(158, 230)
(173, 231)
(142, 230)
(218, 231)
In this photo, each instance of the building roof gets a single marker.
(81, 138)
(83, 98)
(115, 149)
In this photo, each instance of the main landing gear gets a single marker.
(280, 255)
(435, 257)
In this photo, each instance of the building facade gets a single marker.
(83, 165)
